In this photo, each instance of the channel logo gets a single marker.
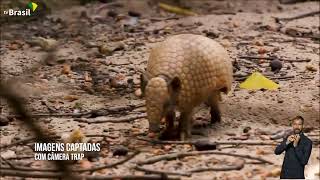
(31, 6)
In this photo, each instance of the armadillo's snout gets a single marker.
(156, 95)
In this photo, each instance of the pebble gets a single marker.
(120, 151)
(276, 65)
(4, 120)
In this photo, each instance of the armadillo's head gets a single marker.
(160, 94)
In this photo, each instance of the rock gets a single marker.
(120, 151)
(8, 154)
(225, 43)
(259, 43)
(211, 34)
(311, 68)
(276, 65)
(134, 14)
(105, 50)
(118, 81)
(246, 129)
(85, 164)
(167, 147)
(138, 92)
(112, 13)
(87, 77)
(14, 46)
(152, 135)
(4, 120)
(280, 101)
(203, 145)
(262, 50)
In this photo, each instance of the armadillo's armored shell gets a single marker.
(201, 64)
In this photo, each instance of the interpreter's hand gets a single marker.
(296, 140)
(290, 139)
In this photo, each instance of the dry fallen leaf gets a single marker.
(167, 147)
(85, 164)
(262, 50)
(66, 69)
(259, 43)
(260, 151)
(87, 77)
(157, 152)
(309, 67)
(225, 43)
(71, 98)
(151, 135)
(273, 173)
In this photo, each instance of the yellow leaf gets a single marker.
(257, 81)
(177, 10)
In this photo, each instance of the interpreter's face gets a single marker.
(297, 126)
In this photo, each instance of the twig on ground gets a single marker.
(273, 58)
(8, 162)
(299, 16)
(22, 168)
(22, 141)
(113, 120)
(193, 153)
(17, 173)
(237, 166)
(153, 171)
(270, 77)
(215, 142)
(108, 165)
(17, 103)
(90, 114)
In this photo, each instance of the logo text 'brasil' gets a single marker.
(27, 12)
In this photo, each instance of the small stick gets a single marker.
(228, 168)
(270, 77)
(94, 113)
(273, 58)
(217, 142)
(193, 153)
(21, 168)
(119, 120)
(14, 173)
(299, 16)
(139, 168)
(8, 162)
(108, 165)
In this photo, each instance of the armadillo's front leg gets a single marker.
(170, 118)
(169, 132)
(214, 107)
(185, 125)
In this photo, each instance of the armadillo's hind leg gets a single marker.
(214, 107)
(185, 125)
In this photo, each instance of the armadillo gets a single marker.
(182, 72)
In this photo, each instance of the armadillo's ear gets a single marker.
(175, 85)
(143, 83)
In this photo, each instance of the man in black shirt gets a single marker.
(298, 149)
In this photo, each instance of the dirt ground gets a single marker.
(99, 59)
